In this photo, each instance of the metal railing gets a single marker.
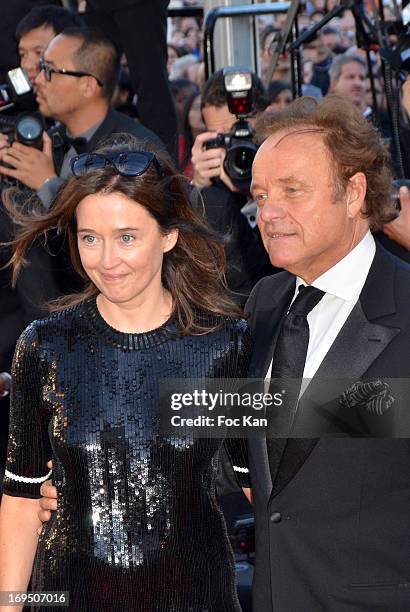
(222, 12)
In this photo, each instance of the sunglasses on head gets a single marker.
(126, 163)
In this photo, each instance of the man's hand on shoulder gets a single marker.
(29, 165)
(399, 229)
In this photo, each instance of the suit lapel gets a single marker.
(317, 411)
(266, 314)
(359, 343)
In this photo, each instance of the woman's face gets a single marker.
(121, 247)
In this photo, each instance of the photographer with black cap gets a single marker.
(78, 76)
(217, 155)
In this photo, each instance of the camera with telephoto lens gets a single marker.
(239, 145)
(26, 128)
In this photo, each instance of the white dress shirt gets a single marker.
(342, 285)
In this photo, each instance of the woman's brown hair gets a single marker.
(193, 271)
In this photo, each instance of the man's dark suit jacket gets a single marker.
(114, 123)
(332, 525)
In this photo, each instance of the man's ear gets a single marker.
(170, 240)
(90, 87)
(356, 194)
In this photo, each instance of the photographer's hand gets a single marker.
(399, 229)
(206, 163)
(4, 141)
(29, 165)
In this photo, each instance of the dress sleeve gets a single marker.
(236, 449)
(28, 446)
(237, 452)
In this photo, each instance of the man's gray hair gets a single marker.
(339, 61)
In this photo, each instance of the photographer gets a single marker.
(33, 33)
(37, 29)
(78, 76)
(246, 258)
(399, 229)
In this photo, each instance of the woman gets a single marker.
(137, 525)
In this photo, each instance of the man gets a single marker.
(399, 229)
(348, 78)
(75, 86)
(246, 259)
(37, 29)
(11, 13)
(331, 514)
(34, 32)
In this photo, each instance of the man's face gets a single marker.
(218, 119)
(60, 97)
(303, 228)
(330, 40)
(352, 83)
(31, 47)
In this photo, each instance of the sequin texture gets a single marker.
(138, 526)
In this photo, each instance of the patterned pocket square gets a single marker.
(373, 396)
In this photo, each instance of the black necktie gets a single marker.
(287, 368)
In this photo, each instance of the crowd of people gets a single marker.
(126, 223)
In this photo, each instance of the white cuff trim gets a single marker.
(25, 479)
(240, 469)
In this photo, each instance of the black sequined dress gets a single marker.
(138, 527)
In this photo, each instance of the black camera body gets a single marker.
(26, 128)
(239, 145)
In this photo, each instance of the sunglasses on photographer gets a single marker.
(126, 163)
